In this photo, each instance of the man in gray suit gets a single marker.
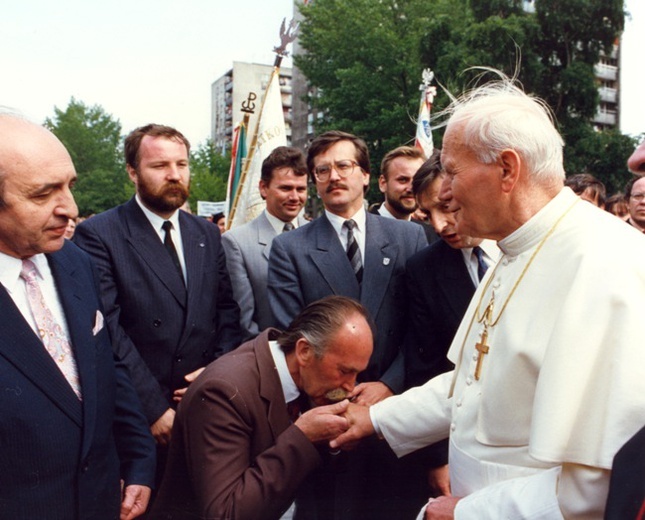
(283, 185)
(350, 252)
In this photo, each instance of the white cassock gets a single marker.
(562, 387)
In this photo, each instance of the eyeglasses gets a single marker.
(636, 196)
(344, 169)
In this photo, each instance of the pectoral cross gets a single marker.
(482, 347)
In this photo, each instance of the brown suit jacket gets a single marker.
(234, 453)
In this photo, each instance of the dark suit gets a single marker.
(431, 235)
(626, 499)
(234, 452)
(62, 458)
(440, 289)
(161, 329)
(310, 263)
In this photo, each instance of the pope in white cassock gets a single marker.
(550, 378)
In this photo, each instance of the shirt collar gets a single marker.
(289, 387)
(155, 219)
(11, 266)
(337, 221)
(278, 224)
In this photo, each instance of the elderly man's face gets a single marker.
(471, 189)
(636, 162)
(347, 355)
(38, 177)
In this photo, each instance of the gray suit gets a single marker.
(247, 251)
(310, 263)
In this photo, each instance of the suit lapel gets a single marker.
(266, 234)
(80, 313)
(380, 260)
(270, 386)
(145, 241)
(331, 260)
(454, 280)
(22, 348)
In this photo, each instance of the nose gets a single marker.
(67, 205)
(333, 174)
(173, 173)
(439, 221)
(636, 163)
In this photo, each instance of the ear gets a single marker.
(511, 164)
(304, 352)
(263, 189)
(131, 173)
(366, 178)
(382, 183)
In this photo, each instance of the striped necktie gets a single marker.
(353, 252)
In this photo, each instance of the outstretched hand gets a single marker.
(360, 426)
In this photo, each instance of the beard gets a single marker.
(404, 208)
(168, 197)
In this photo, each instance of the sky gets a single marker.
(149, 61)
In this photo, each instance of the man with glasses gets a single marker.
(635, 191)
(350, 252)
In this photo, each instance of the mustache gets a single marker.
(335, 186)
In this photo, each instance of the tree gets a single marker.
(93, 139)
(364, 60)
(209, 173)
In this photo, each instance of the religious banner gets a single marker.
(238, 156)
(270, 133)
(423, 138)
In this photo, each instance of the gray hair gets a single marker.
(319, 321)
(6, 111)
(499, 116)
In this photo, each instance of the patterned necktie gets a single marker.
(287, 227)
(49, 331)
(353, 252)
(481, 265)
(170, 247)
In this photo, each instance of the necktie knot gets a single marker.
(288, 227)
(28, 271)
(350, 224)
(166, 226)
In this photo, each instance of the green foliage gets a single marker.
(93, 139)
(602, 154)
(364, 59)
(208, 174)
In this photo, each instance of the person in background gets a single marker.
(588, 188)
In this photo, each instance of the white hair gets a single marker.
(499, 116)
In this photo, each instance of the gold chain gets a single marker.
(489, 308)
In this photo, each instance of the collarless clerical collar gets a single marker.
(530, 233)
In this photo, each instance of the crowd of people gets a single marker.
(467, 349)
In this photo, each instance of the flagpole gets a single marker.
(287, 35)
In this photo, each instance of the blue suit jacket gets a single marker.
(440, 290)
(162, 329)
(62, 458)
(310, 263)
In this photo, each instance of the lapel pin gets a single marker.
(386, 261)
(201, 244)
